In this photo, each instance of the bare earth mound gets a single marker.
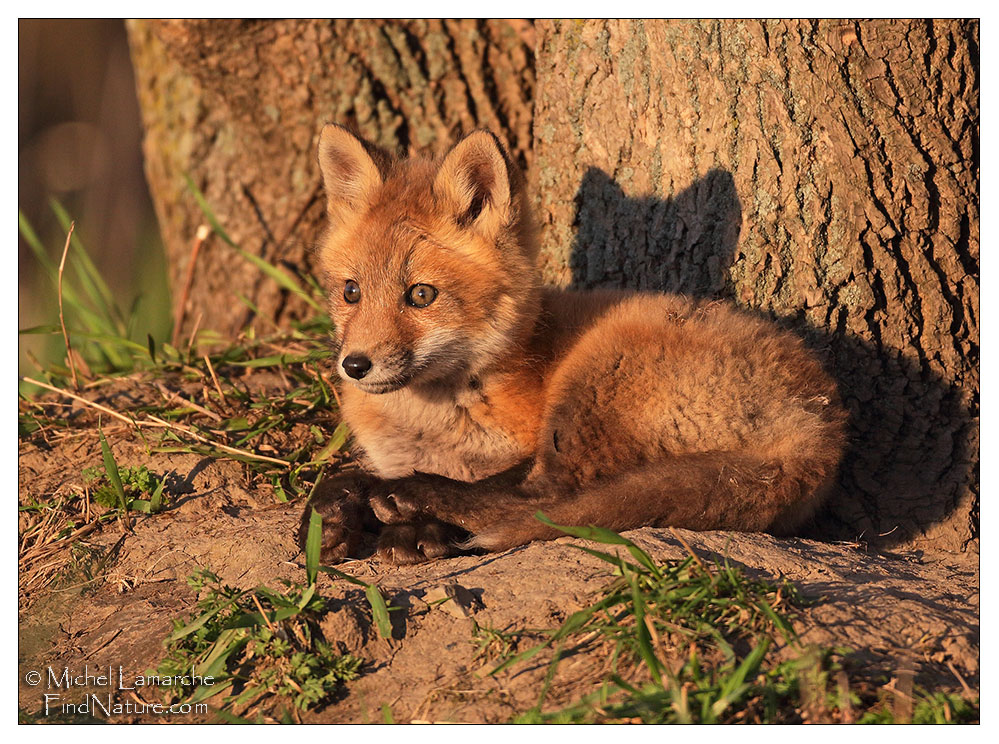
(894, 611)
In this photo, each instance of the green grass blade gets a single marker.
(785, 628)
(278, 600)
(282, 277)
(608, 537)
(204, 692)
(69, 295)
(110, 338)
(279, 275)
(337, 440)
(734, 686)
(40, 330)
(614, 560)
(225, 716)
(247, 303)
(379, 611)
(344, 576)
(156, 500)
(315, 486)
(111, 468)
(282, 360)
(228, 642)
(79, 310)
(93, 281)
(646, 560)
(198, 622)
(33, 241)
(313, 543)
(249, 694)
(642, 632)
(90, 277)
(574, 622)
(308, 594)
(522, 656)
(207, 211)
(597, 534)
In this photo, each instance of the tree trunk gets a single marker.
(238, 106)
(823, 173)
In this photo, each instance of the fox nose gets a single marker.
(356, 366)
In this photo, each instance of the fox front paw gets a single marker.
(415, 542)
(405, 521)
(413, 499)
(342, 502)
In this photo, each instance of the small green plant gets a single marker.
(262, 649)
(238, 424)
(125, 488)
(88, 565)
(940, 707)
(492, 643)
(258, 649)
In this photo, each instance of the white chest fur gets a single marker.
(405, 432)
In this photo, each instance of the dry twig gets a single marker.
(194, 332)
(211, 369)
(689, 549)
(178, 321)
(155, 422)
(62, 321)
(170, 396)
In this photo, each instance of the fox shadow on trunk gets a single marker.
(911, 459)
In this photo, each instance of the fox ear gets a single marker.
(473, 183)
(352, 171)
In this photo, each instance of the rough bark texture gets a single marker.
(238, 106)
(823, 173)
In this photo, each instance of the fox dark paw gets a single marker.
(342, 502)
(416, 542)
(398, 519)
(416, 498)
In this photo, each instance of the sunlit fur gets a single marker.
(487, 297)
(501, 398)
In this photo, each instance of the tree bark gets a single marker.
(238, 106)
(823, 173)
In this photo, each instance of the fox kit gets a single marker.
(477, 397)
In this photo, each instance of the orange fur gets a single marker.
(500, 397)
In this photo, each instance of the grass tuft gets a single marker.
(140, 489)
(695, 641)
(259, 399)
(257, 652)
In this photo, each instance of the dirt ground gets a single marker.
(892, 610)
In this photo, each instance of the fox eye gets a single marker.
(421, 295)
(351, 292)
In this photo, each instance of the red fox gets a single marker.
(477, 397)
